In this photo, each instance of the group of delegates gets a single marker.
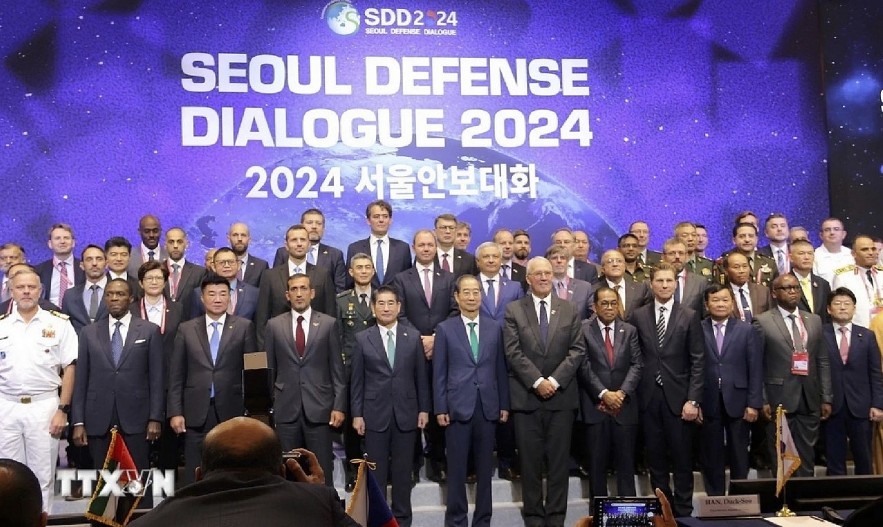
(404, 352)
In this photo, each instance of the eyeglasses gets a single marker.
(226, 263)
(152, 279)
(608, 303)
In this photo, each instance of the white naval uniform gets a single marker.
(868, 296)
(32, 356)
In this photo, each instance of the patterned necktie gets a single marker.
(378, 261)
(562, 291)
(176, 277)
(116, 343)
(544, 322)
(608, 345)
(780, 261)
(719, 337)
(796, 338)
(214, 343)
(241, 274)
(506, 273)
(390, 348)
(491, 295)
(427, 287)
(660, 325)
(231, 306)
(445, 265)
(300, 338)
(151, 256)
(844, 345)
(746, 309)
(473, 339)
(63, 282)
(93, 302)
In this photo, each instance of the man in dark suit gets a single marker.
(521, 247)
(273, 294)
(85, 301)
(118, 252)
(318, 253)
(576, 269)
(242, 481)
(733, 390)
(609, 378)
(62, 271)
(149, 230)
(641, 230)
(510, 271)
(751, 299)
(205, 370)
(449, 258)
(544, 349)
(671, 385)
(10, 254)
(857, 385)
(303, 351)
(390, 397)
(243, 296)
(631, 294)
(489, 257)
(797, 374)
(578, 292)
(119, 380)
(390, 256)
(426, 295)
(470, 396)
(156, 308)
(185, 277)
(814, 289)
(776, 231)
(689, 287)
(250, 267)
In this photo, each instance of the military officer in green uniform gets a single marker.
(686, 232)
(634, 269)
(763, 268)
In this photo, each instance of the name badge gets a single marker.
(800, 363)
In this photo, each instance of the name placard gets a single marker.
(728, 506)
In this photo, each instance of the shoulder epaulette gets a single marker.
(845, 269)
(59, 314)
(346, 293)
(4, 315)
(879, 267)
(701, 258)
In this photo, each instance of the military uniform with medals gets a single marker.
(763, 269)
(868, 290)
(701, 266)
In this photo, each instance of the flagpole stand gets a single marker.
(785, 512)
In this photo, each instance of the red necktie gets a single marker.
(63, 282)
(844, 345)
(445, 265)
(300, 340)
(608, 345)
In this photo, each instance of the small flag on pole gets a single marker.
(106, 509)
(788, 458)
(368, 505)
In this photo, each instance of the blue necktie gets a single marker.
(116, 343)
(213, 344)
(544, 322)
(378, 261)
(311, 259)
(491, 296)
(746, 309)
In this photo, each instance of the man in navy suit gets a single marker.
(574, 290)
(390, 256)
(609, 379)
(671, 385)
(449, 258)
(119, 380)
(814, 289)
(509, 269)
(631, 294)
(776, 231)
(471, 395)
(488, 257)
(250, 267)
(733, 390)
(330, 258)
(856, 383)
(577, 269)
(62, 271)
(85, 301)
(390, 397)
(426, 294)
(243, 296)
(205, 370)
(304, 352)
(185, 277)
(688, 286)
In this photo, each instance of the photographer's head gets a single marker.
(241, 443)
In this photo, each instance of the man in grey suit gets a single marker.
(751, 299)
(205, 370)
(576, 291)
(631, 294)
(119, 380)
(797, 374)
(609, 379)
(150, 230)
(250, 267)
(390, 397)
(84, 302)
(689, 287)
(303, 351)
(544, 349)
(318, 253)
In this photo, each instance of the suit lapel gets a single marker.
(530, 315)
(226, 335)
(708, 335)
(289, 336)
(783, 327)
(379, 344)
(554, 317)
(104, 333)
(131, 336)
(203, 338)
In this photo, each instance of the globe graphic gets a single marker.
(342, 18)
(268, 219)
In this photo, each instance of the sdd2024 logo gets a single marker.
(342, 17)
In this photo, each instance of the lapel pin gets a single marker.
(405, 334)
(315, 324)
(553, 311)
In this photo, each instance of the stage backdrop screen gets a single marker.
(516, 113)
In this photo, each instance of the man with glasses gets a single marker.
(243, 296)
(631, 294)
(831, 255)
(797, 373)
(449, 258)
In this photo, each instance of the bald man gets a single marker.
(242, 470)
(20, 498)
